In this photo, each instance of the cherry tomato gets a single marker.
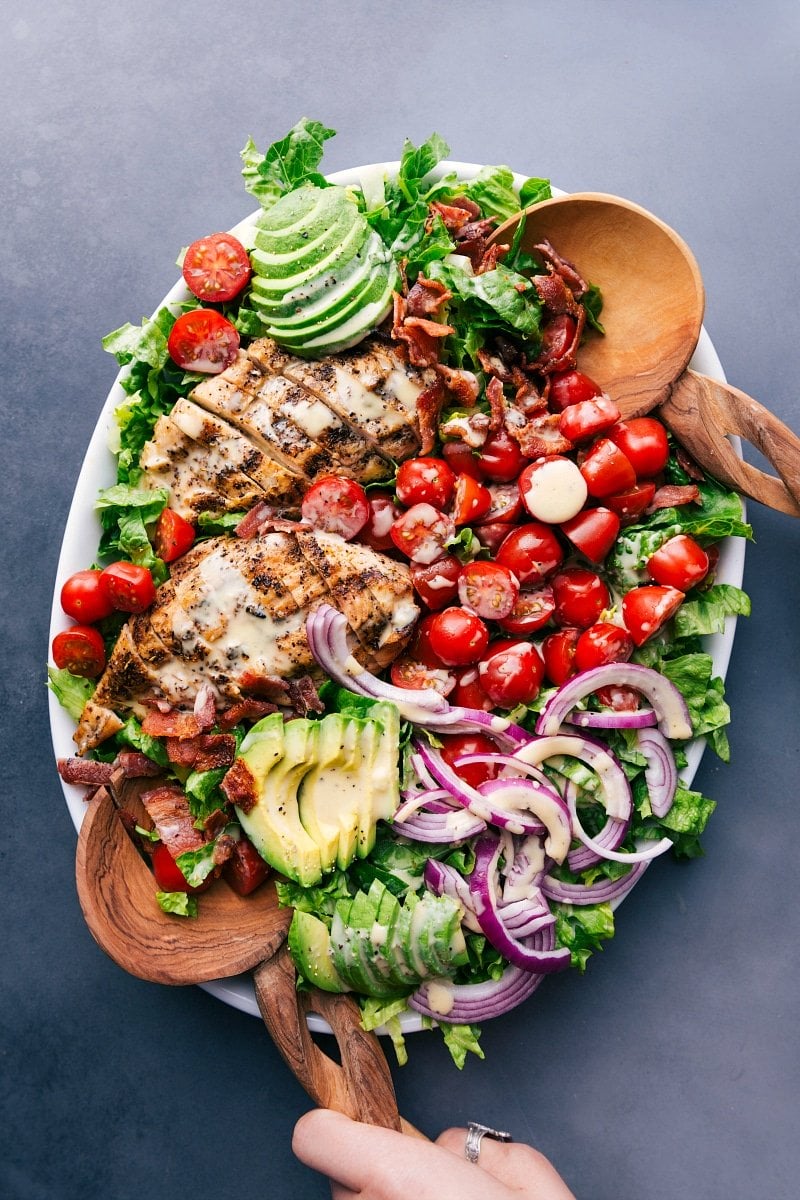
(511, 673)
(558, 652)
(621, 699)
(531, 612)
(580, 597)
(421, 533)
(421, 648)
(633, 501)
(245, 870)
(468, 692)
(588, 418)
(425, 481)
(128, 586)
(506, 504)
(458, 637)
(216, 267)
(203, 340)
(174, 535)
(679, 563)
(593, 532)
(492, 534)
(383, 512)
(462, 459)
(80, 650)
(552, 489)
(571, 387)
(471, 500)
(607, 470)
(602, 643)
(337, 505)
(169, 876)
(532, 552)
(501, 458)
(643, 440)
(488, 589)
(408, 672)
(459, 745)
(646, 609)
(436, 583)
(83, 599)
(557, 337)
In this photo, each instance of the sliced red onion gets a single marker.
(623, 856)
(610, 837)
(454, 825)
(414, 800)
(445, 880)
(601, 892)
(544, 802)
(526, 917)
(524, 871)
(667, 702)
(616, 790)
(470, 1003)
(504, 761)
(660, 773)
(638, 718)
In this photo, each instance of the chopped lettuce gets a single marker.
(134, 736)
(125, 513)
(287, 164)
(706, 611)
(500, 300)
(493, 191)
(71, 691)
(461, 1040)
(180, 904)
(583, 930)
(376, 1013)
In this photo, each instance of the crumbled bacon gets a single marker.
(169, 811)
(426, 297)
(248, 709)
(497, 404)
(673, 495)
(239, 786)
(689, 465)
(562, 267)
(462, 384)
(529, 400)
(263, 518)
(205, 752)
(540, 436)
(455, 216)
(136, 765)
(205, 707)
(304, 696)
(491, 256)
(172, 724)
(555, 295)
(429, 405)
(223, 849)
(85, 771)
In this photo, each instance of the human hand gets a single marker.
(379, 1164)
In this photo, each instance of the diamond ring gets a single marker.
(475, 1133)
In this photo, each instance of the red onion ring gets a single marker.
(668, 704)
(660, 773)
(601, 892)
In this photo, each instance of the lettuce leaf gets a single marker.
(583, 930)
(500, 299)
(125, 513)
(180, 904)
(289, 163)
(461, 1040)
(71, 691)
(494, 192)
(705, 612)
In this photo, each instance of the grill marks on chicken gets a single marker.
(233, 616)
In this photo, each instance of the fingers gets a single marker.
(517, 1165)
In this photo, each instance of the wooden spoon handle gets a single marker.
(701, 411)
(362, 1086)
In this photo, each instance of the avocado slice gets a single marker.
(326, 798)
(309, 943)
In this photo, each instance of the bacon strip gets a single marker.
(172, 724)
(205, 752)
(248, 709)
(429, 405)
(85, 771)
(673, 495)
(169, 811)
(136, 765)
(561, 266)
(497, 404)
(426, 297)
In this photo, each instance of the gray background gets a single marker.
(671, 1068)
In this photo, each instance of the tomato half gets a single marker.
(602, 643)
(174, 535)
(436, 583)
(83, 598)
(203, 340)
(468, 692)
(383, 512)
(488, 589)
(422, 533)
(643, 441)
(459, 745)
(425, 481)
(571, 387)
(580, 597)
(532, 552)
(588, 418)
(511, 673)
(245, 870)
(216, 267)
(646, 609)
(607, 469)
(337, 505)
(408, 672)
(558, 652)
(458, 637)
(471, 500)
(80, 650)
(558, 336)
(462, 459)
(169, 876)
(531, 612)
(593, 532)
(633, 501)
(680, 563)
(128, 586)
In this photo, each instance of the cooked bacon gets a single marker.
(263, 518)
(215, 822)
(205, 707)
(472, 241)
(172, 724)
(248, 709)
(85, 771)
(264, 687)
(455, 216)
(673, 495)
(398, 312)
(304, 696)
(169, 811)
(689, 465)
(205, 752)
(555, 295)
(497, 404)
(429, 405)
(426, 297)
(423, 349)
(551, 361)
(529, 400)
(463, 384)
(223, 849)
(539, 436)
(491, 256)
(136, 765)
(239, 786)
(562, 267)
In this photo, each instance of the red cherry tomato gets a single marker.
(422, 533)
(203, 340)
(462, 459)
(425, 481)
(488, 589)
(646, 609)
(245, 870)
(558, 652)
(580, 597)
(174, 535)
(633, 501)
(337, 505)
(552, 489)
(501, 458)
(558, 336)
(492, 534)
(383, 512)
(471, 500)
(506, 504)
(643, 440)
(128, 586)
(216, 268)
(531, 612)
(679, 563)
(459, 745)
(532, 552)
(83, 599)
(593, 532)
(511, 673)
(602, 643)
(468, 692)
(408, 672)
(607, 470)
(80, 650)
(621, 699)
(436, 583)
(571, 387)
(169, 876)
(588, 418)
(458, 637)
(421, 648)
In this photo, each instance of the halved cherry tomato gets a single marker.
(203, 340)
(602, 643)
(169, 876)
(421, 648)
(458, 637)
(459, 745)
(408, 672)
(174, 535)
(580, 597)
(462, 459)
(80, 650)
(558, 652)
(511, 672)
(552, 489)
(646, 609)
(216, 267)
(501, 458)
(488, 589)
(633, 501)
(607, 470)
(532, 552)
(425, 481)
(337, 505)
(621, 699)
(471, 500)
(468, 692)
(643, 441)
(593, 532)
(436, 583)
(531, 612)
(83, 599)
(679, 563)
(245, 870)
(422, 533)
(383, 512)
(492, 534)
(588, 418)
(128, 586)
(506, 504)
(571, 387)
(557, 337)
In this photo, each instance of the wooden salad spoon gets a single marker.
(653, 303)
(231, 934)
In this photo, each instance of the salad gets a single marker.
(453, 797)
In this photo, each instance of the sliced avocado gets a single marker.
(379, 795)
(351, 332)
(343, 238)
(325, 798)
(310, 947)
(301, 215)
(305, 312)
(341, 309)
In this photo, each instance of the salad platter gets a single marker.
(711, 638)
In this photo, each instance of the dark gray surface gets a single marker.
(671, 1068)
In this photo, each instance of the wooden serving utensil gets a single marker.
(653, 302)
(231, 934)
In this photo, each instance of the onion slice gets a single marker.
(601, 892)
(613, 780)
(544, 802)
(667, 702)
(623, 856)
(661, 773)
